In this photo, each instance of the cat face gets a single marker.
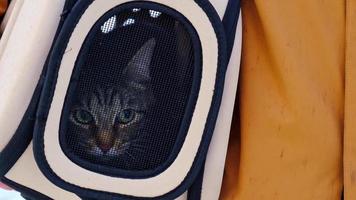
(109, 120)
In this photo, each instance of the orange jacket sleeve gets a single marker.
(3, 6)
(287, 136)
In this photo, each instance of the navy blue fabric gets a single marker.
(47, 95)
(230, 21)
(195, 191)
(23, 136)
(24, 133)
(69, 4)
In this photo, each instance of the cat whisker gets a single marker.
(138, 146)
(142, 150)
(125, 145)
(109, 96)
(84, 145)
(82, 142)
(135, 140)
(130, 155)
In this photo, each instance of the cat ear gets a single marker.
(138, 69)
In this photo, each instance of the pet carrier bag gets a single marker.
(117, 99)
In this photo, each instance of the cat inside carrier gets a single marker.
(117, 99)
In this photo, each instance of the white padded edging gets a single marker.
(8, 23)
(22, 60)
(215, 162)
(26, 173)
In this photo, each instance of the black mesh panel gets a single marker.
(129, 93)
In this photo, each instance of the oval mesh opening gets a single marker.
(130, 91)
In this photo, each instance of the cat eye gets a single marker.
(83, 117)
(126, 116)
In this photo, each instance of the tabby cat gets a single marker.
(109, 120)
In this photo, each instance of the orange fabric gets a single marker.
(350, 103)
(289, 144)
(3, 6)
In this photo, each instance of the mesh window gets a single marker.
(129, 91)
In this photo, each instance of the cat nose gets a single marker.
(105, 147)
